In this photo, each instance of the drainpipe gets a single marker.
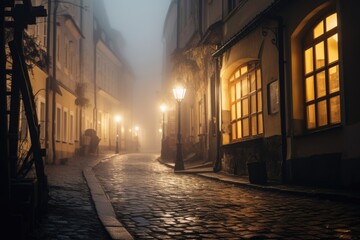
(48, 80)
(81, 49)
(282, 99)
(95, 86)
(178, 24)
(53, 81)
(217, 165)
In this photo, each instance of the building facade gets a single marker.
(87, 81)
(191, 66)
(287, 89)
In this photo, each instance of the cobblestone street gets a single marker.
(155, 203)
(70, 213)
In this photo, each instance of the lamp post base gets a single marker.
(179, 163)
(117, 148)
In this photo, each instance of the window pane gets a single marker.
(258, 79)
(322, 113)
(331, 22)
(319, 29)
(232, 78)
(245, 127)
(319, 55)
(42, 120)
(320, 84)
(65, 127)
(260, 123)
(232, 93)
(239, 129)
(233, 131)
(243, 70)
(332, 44)
(335, 115)
(233, 113)
(238, 109)
(254, 125)
(244, 87)
(309, 60)
(252, 82)
(309, 85)
(259, 101)
(253, 103)
(310, 112)
(238, 90)
(237, 74)
(245, 107)
(58, 123)
(334, 79)
(71, 128)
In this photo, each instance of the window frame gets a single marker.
(71, 126)
(240, 122)
(65, 125)
(58, 122)
(313, 76)
(41, 118)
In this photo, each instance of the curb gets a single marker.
(103, 205)
(288, 190)
(348, 197)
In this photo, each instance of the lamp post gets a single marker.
(117, 120)
(163, 110)
(179, 94)
(137, 138)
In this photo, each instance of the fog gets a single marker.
(140, 22)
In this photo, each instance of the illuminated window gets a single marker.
(42, 120)
(321, 74)
(58, 124)
(246, 102)
(71, 127)
(65, 125)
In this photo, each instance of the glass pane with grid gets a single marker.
(321, 75)
(246, 102)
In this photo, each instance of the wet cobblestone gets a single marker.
(155, 203)
(70, 213)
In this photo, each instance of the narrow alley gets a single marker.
(155, 203)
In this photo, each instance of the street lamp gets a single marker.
(163, 108)
(179, 94)
(117, 120)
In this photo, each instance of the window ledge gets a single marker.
(319, 130)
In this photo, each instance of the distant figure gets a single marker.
(94, 140)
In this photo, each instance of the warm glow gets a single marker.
(163, 107)
(322, 80)
(117, 118)
(319, 29)
(179, 93)
(331, 22)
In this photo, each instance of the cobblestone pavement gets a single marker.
(155, 203)
(71, 213)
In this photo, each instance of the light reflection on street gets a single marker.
(154, 202)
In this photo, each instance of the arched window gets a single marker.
(321, 74)
(246, 102)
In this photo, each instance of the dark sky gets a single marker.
(141, 24)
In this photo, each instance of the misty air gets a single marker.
(179, 119)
